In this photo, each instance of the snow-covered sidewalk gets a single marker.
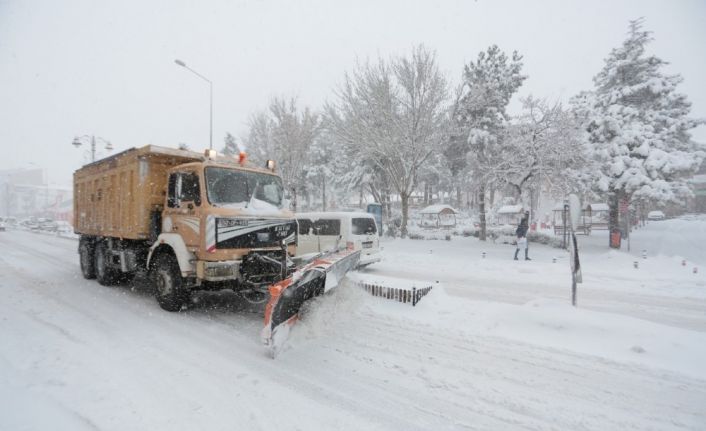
(660, 289)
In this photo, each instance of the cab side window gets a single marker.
(172, 200)
(183, 187)
(190, 190)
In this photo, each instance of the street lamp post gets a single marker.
(210, 86)
(77, 143)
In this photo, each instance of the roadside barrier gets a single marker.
(413, 295)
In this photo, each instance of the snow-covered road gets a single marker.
(76, 355)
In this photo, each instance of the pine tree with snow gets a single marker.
(638, 125)
(479, 117)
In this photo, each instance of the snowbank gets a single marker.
(548, 323)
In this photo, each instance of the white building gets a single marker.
(24, 193)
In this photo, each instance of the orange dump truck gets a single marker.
(184, 220)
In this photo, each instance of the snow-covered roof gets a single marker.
(510, 209)
(436, 209)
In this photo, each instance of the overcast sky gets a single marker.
(107, 68)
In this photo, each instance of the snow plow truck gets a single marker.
(188, 221)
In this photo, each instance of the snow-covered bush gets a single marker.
(506, 235)
(435, 234)
(544, 238)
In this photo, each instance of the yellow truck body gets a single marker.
(114, 197)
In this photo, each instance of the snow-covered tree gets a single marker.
(294, 133)
(435, 177)
(391, 114)
(639, 127)
(230, 146)
(284, 133)
(479, 116)
(258, 141)
(320, 172)
(544, 149)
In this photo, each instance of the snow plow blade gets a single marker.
(288, 295)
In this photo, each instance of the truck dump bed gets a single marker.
(116, 196)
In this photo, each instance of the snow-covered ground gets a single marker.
(495, 345)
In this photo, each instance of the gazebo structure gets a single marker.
(438, 216)
(598, 214)
(510, 214)
(584, 225)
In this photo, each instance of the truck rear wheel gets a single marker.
(85, 254)
(104, 273)
(169, 287)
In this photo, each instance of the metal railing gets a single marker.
(413, 295)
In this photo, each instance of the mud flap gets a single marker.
(288, 295)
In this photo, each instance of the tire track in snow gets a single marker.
(206, 333)
(597, 386)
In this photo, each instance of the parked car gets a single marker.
(47, 225)
(2, 226)
(30, 223)
(655, 215)
(324, 231)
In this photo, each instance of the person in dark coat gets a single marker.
(521, 233)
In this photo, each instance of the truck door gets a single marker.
(182, 213)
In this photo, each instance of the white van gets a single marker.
(324, 231)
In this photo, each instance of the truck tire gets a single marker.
(168, 284)
(85, 255)
(105, 275)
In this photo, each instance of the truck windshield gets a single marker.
(227, 187)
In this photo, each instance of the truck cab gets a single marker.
(231, 219)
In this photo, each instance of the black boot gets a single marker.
(526, 252)
(516, 251)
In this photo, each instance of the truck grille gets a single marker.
(253, 233)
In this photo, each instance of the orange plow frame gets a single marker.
(287, 296)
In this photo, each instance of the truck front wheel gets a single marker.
(85, 253)
(166, 278)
